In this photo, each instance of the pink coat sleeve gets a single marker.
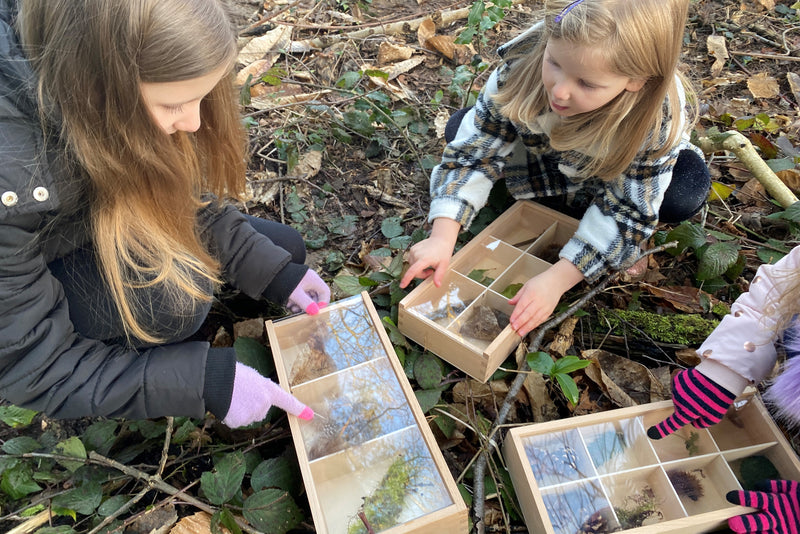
(741, 350)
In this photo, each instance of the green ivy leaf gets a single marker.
(222, 484)
(359, 122)
(569, 364)
(72, 447)
(540, 362)
(350, 285)
(63, 529)
(392, 227)
(428, 371)
(16, 417)
(400, 243)
(688, 236)
(274, 473)
(428, 398)
(511, 290)
(568, 387)
(224, 518)
(769, 255)
(20, 445)
(446, 424)
(272, 511)
(84, 499)
(184, 432)
(716, 259)
(100, 436)
(395, 336)
(252, 353)
(18, 482)
(112, 505)
(348, 80)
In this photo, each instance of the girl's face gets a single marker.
(577, 78)
(175, 106)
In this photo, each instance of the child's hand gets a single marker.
(778, 502)
(698, 401)
(537, 299)
(311, 294)
(432, 256)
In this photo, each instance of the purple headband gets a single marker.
(566, 10)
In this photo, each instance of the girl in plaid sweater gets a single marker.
(588, 104)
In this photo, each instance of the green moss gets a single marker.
(383, 505)
(683, 329)
(720, 309)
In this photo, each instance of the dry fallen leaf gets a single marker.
(390, 52)
(794, 84)
(791, 177)
(199, 523)
(563, 340)
(683, 298)
(275, 100)
(426, 30)
(270, 42)
(769, 4)
(308, 166)
(762, 85)
(718, 49)
(627, 383)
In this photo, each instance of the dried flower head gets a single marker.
(686, 484)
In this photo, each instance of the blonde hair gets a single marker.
(91, 57)
(639, 39)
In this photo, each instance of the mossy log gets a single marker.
(688, 329)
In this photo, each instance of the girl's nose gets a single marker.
(561, 91)
(190, 121)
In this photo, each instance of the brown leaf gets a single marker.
(794, 84)
(253, 328)
(542, 406)
(626, 382)
(308, 166)
(688, 357)
(753, 193)
(791, 177)
(390, 52)
(762, 85)
(199, 523)
(271, 42)
(156, 521)
(717, 48)
(254, 69)
(769, 4)
(563, 340)
(426, 30)
(683, 298)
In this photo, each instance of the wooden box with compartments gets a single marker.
(368, 458)
(601, 473)
(465, 321)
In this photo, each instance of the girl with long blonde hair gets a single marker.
(120, 138)
(587, 104)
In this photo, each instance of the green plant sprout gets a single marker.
(558, 370)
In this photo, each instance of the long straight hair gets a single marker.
(639, 39)
(144, 185)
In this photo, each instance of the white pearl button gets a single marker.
(41, 194)
(10, 198)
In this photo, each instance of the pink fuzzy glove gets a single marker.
(311, 294)
(778, 502)
(253, 396)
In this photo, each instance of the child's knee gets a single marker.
(688, 190)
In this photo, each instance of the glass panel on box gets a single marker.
(557, 457)
(755, 464)
(486, 260)
(337, 338)
(701, 484)
(391, 480)
(642, 497)
(552, 241)
(742, 426)
(483, 321)
(443, 304)
(522, 270)
(578, 507)
(524, 226)
(618, 445)
(687, 442)
(353, 406)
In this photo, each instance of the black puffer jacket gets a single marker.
(44, 364)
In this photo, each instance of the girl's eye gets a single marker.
(174, 109)
(588, 85)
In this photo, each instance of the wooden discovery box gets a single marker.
(465, 321)
(602, 469)
(368, 456)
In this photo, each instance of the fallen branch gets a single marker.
(743, 149)
(441, 19)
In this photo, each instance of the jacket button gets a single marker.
(10, 198)
(41, 194)
(749, 346)
(706, 353)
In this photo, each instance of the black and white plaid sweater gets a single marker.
(488, 147)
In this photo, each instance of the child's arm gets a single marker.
(432, 255)
(537, 299)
